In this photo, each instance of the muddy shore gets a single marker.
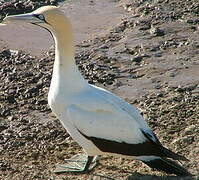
(147, 52)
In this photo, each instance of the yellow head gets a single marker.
(52, 19)
(49, 17)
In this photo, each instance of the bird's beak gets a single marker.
(27, 18)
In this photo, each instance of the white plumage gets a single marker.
(93, 110)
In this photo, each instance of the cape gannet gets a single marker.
(99, 121)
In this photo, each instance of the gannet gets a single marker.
(98, 120)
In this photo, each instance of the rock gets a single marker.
(5, 54)
(3, 127)
(11, 99)
(35, 154)
(137, 59)
(156, 31)
(5, 112)
(191, 129)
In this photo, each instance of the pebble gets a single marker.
(191, 129)
(156, 31)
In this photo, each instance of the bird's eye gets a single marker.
(40, 16)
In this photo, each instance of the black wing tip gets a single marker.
(168, 166)
(166, 152)
(173, 155)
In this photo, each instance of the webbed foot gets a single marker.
(78, 163)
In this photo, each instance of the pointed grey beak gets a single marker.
(27, 18)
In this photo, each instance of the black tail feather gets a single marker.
(161, 149)
(168, 166)
(173, 155)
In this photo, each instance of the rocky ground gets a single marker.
(150, 59)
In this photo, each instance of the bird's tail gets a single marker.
(166, 165)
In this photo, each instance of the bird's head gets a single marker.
(48, 17)
(52, 19)
(55, 21)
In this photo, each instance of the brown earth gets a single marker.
(144, 51)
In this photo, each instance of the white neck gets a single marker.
(66, 75)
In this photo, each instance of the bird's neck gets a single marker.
(65, 71)
(64, 46)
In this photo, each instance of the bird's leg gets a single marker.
(88, 163)
(78, 163)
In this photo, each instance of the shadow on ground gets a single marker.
(138, 176)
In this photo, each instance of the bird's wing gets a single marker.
(128, 108)
(131, 110)
(112, 129)
(105, 123)
(96, 115)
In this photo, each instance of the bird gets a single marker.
(101, 122)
